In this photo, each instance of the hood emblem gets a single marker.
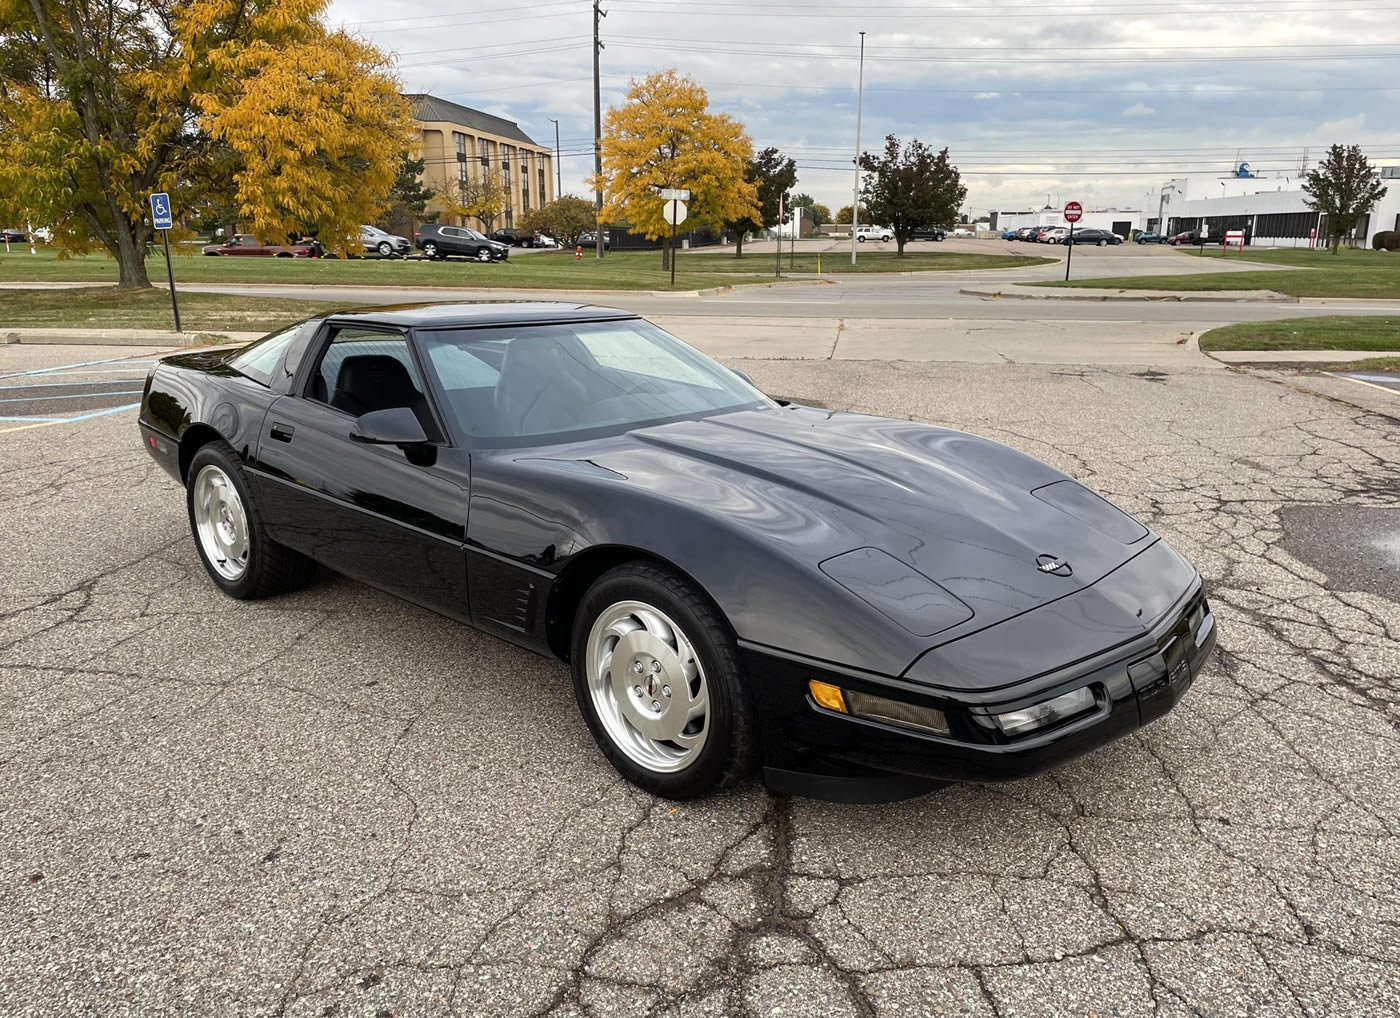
(1052, 564)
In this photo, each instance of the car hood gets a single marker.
(970, 514)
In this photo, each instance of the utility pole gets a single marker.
(598, 14)
(855, 191)
(558, 167)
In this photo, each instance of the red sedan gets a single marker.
(245, 244)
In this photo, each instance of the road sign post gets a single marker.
(1073, 212)
(674, 212)
(163, 219)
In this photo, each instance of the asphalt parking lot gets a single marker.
(337, 804)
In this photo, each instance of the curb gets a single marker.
(1101, 298)
(123, 337)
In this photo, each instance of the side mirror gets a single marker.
(395, 426)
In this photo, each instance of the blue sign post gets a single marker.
(163, 219)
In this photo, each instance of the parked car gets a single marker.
(1149, 237)
(1189, 237)
(384, 244)
(1033, 233)
(1010, 234)
(1052, 235)
(246, 245)
(437, 241)
(545, 240)
(13, 236)
(928, 233)
(1099, 238)
(963, 231)
(42, 233)
(738, 584)
(590, 239)
(864, 233)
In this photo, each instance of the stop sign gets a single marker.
(1073, 211)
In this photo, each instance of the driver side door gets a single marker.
(391, 517)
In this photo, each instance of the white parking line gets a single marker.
(1360, 381)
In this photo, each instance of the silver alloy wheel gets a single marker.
(220, 523)
(385, 249)
(430, 250)
(483, 255)
(648, 686)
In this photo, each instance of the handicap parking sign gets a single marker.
(160, 211)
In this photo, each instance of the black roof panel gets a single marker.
(474, 313)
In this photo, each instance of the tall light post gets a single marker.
(855, 191)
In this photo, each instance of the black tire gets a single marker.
(730, 751)
(1103, 243)
(272, 568)
(385, 249)
(483, 255)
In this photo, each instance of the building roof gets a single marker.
(431, 108)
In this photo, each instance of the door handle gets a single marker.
(282, 432)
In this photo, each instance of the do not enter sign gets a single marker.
(1073, 212)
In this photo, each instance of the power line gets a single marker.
(859, 13)
(763, 51)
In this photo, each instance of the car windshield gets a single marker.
(373, 231)
(508, 383)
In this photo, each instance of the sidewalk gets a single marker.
(1093, 294)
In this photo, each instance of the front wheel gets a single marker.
(228, 530)
(483, 255)
(658, 679)
(385, 249)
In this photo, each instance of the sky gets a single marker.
(1098, 101)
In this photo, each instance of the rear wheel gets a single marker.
(229, 533)
(430, 250)
(1103, 243)
(658, 679)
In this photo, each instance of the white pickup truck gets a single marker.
(864, 233)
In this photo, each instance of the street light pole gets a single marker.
(598, 15)
(558, 168)
(855, 191)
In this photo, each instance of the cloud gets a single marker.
(1145, 98)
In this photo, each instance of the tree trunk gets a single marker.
(1336, 242)
(899, 245)
(131, 259)
(739, 246)
(665, 254)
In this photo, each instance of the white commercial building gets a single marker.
(1271, 211)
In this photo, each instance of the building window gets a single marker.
(485, 153)
(544, 176)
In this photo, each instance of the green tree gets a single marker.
(909, 187)
(1344, 187)
(773, 176)
(821, 215)
(254, 100)
(566, 218)
(408, 196)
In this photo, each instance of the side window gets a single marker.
(261, 360)
(363, 371)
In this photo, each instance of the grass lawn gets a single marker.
(1349, 273)
(107, 308)
(1332, 333)
(624, 270)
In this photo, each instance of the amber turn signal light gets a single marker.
(827, 695)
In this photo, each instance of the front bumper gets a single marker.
(823, 754)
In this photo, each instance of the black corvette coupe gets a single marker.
(864, 607)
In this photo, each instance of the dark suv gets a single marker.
(437, 241)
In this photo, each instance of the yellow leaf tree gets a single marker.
(482, 198)
(665, 136)
(251, 102)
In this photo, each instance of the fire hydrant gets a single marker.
(578, 252)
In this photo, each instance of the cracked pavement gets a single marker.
(336, 804)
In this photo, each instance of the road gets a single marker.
(334, 803)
